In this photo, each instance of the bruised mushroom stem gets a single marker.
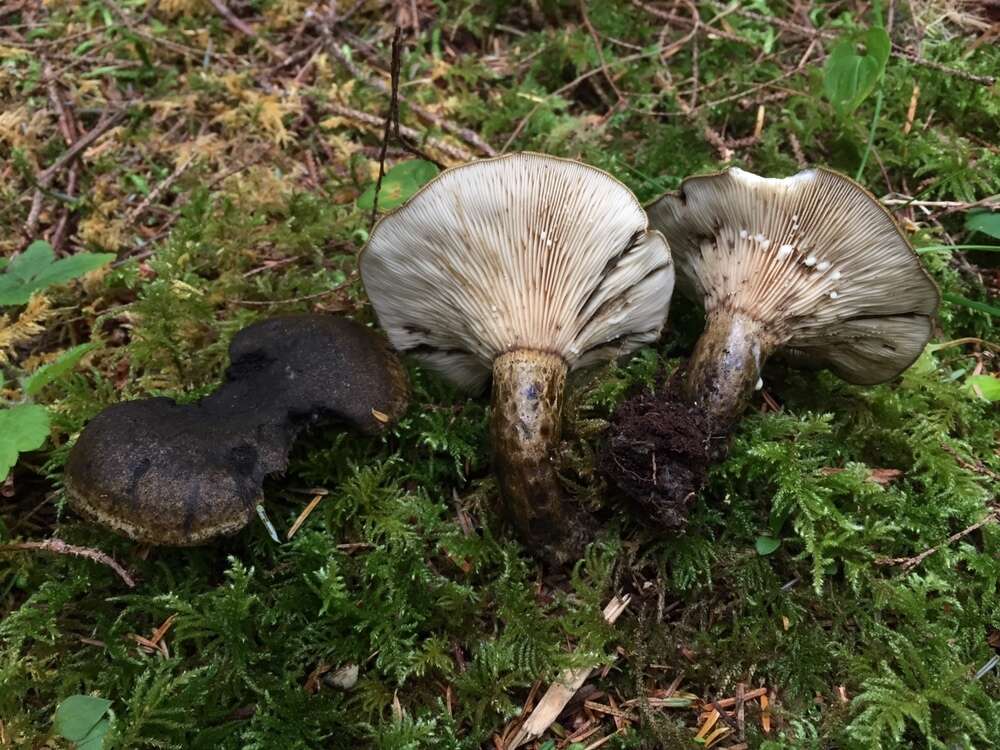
(527, 404)
(725, 367)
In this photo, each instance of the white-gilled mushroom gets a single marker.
(524, 267)
(811, 264)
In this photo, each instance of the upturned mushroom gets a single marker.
(811, 264)
(522, 267)
(180, 474)
(810, 267)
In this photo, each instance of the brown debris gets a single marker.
(657, 453)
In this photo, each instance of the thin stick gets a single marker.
(457, 153)
(59, 547)
(80, 145)
(600, 52)
(244, 28)
(909, 563)
(392, 115)
(470, 137)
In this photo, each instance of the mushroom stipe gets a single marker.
(180, 474)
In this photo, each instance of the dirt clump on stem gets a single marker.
(658, 452)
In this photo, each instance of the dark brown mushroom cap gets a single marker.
(174, 474)
(318, 367)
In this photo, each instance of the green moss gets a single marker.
(451, 629)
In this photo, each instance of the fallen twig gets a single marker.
(244, 28)
(470, 137)
(909, 563)
(456, 153)
(59, 547)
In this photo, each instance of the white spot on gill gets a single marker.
(759, 237)
(823, 265)
(765, 244)
(744, 234)
(836, 275)
(810, 261)
(784, 251)
(834, 295)
(759, 385)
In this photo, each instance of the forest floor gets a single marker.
(218, 149)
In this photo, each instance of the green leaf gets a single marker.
(79, 715)
(987, 222)
(399, 184)
(36, 268)
(854, 67)
(984, 386)
(958, 299)
(95, 737)
(766, 545)
(54, 370)
(22, 428)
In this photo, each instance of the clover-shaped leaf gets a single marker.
(82, 720)
(399, 184)
(854, 67)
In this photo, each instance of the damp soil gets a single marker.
(658, 452)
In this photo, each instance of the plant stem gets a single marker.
(871, 134)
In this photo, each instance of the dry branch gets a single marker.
(59, 547)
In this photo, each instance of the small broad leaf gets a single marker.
(854, 67)
(22, 428)
(399, 184)
(55, 370)
(987, 222)
(94, 740)
(37, 268)
(984, 386)
(766, 545)
(77, 716)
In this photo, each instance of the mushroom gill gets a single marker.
(522, 267)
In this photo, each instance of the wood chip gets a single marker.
(304, 515)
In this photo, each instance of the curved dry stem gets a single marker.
(725, 367)
(527, 404)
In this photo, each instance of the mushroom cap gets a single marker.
(522, 251)
(317, 367)
(166, 473)
(814, 257)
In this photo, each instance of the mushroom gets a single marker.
(180, 474)
(524, 267)
(811, 264)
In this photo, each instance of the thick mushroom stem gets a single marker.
(527, 405)
(724, 369)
